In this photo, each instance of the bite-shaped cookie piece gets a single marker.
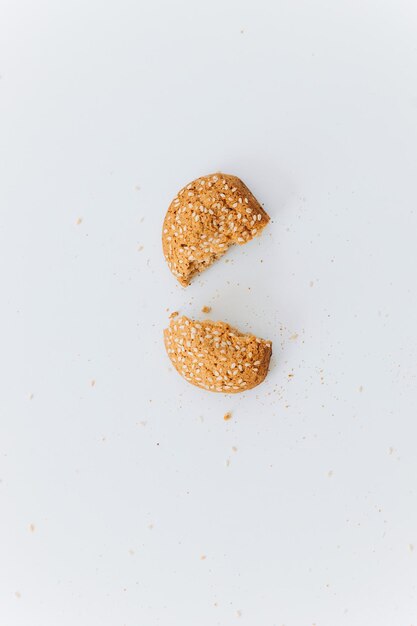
(216, 356)
(205, 219)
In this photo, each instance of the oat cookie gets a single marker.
(216, 356)
(204, 219)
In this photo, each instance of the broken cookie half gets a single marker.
(205, 219)
(216, 356)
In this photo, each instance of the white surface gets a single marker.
(128, 483)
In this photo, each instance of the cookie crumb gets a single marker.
(203, 557)
(360, 389)
(79, 221)
(294, 337)
(140, 248)
(227, 416)
(18, 594)
(173, 314)
(32, 528)
(234, 448)
(93, 382)
(206, 309)
(411, 547)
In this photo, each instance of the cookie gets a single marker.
(205, 219)
(216, 356)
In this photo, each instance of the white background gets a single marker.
(111, 494)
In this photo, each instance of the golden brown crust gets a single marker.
(206, 217)
(216, 356)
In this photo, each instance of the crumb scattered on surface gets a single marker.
(227, 416)
(93, 382)
(32, 528)
(391, 450)
(32, 395)
(360, 389)
(18, 594)
(294, 337)
(330, 473)
(79, 221)
(239, 613)
(131, 552)
(234, 448)
(206, 309)
(228, 463)
(173, 314)
(150, 526)
(203, 557)
(311, 283)
(411, 547)
(137, 188)
(140, 248)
